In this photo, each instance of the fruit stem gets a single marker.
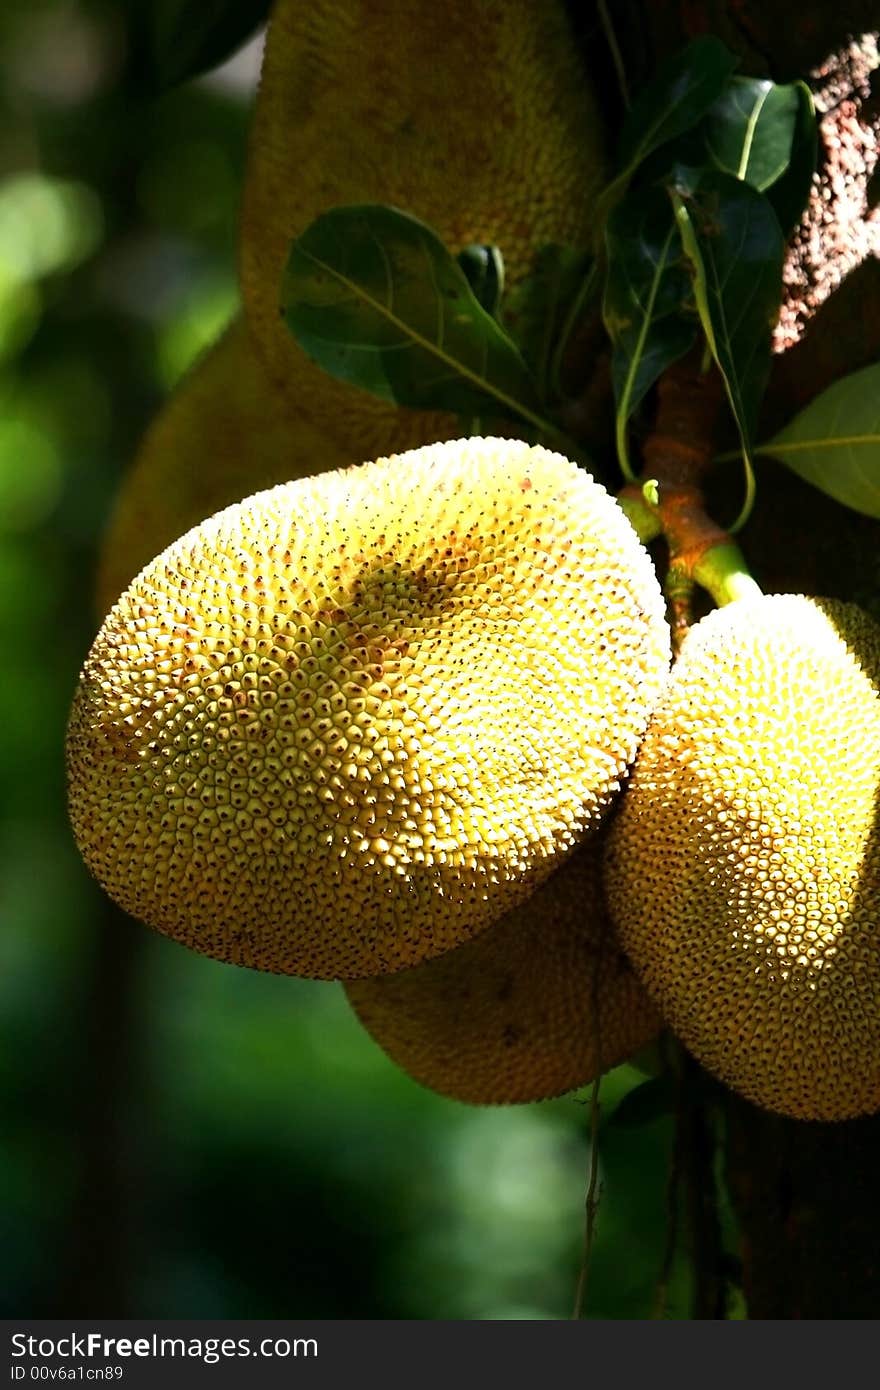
(643, 518)
(679, 588)
(722, 573)
(669, 499)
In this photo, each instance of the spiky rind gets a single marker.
(744, 866)
(539, 1004)
(342, 726)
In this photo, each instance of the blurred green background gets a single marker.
(181, 1138)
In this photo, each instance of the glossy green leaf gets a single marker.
(677, 98)
(751, 127)
(665, 110)
(543, 310)
(178, 39)
(735, 243)
(790, 194)
(681, 159)
(834, 443)
(648, 305)
(646, 1103)
(375, 298)
(483, 267)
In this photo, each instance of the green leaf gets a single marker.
(683, 159)
(790, 193)
(178, 39)
(647, 294)
(734, 241)
(670, 106)
(483, 267)
(375, 298)
(835, 443)
(646, 1103)
(677, 98)
(542, 311)
(751, 127)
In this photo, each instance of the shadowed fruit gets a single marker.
(341, 727)
(225, 432)
(476, 117)
(744, 867)
(539, 1004)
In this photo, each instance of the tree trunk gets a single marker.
(806, 1196)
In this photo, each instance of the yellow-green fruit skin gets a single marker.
(475, 116)
(345, 724)
(226, 431)
(743, 872)
(539, 1004)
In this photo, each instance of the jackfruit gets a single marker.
(225, 432)
(345, 724)
(475, 116)
(743, 872)
(539, 1004)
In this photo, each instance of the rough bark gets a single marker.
(806, 1196)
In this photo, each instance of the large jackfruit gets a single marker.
(540, 1003)
(744, 868)
(224, 433)
(475, 116)
(344, 725)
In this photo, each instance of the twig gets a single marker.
(673, 1194)
(614, 48)
(591, 1203)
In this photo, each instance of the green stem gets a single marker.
(723, 573)
(616, 55)
(624, 408)
(641, 515)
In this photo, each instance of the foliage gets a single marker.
(713, 170)
(374, 296)
(835, 442)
